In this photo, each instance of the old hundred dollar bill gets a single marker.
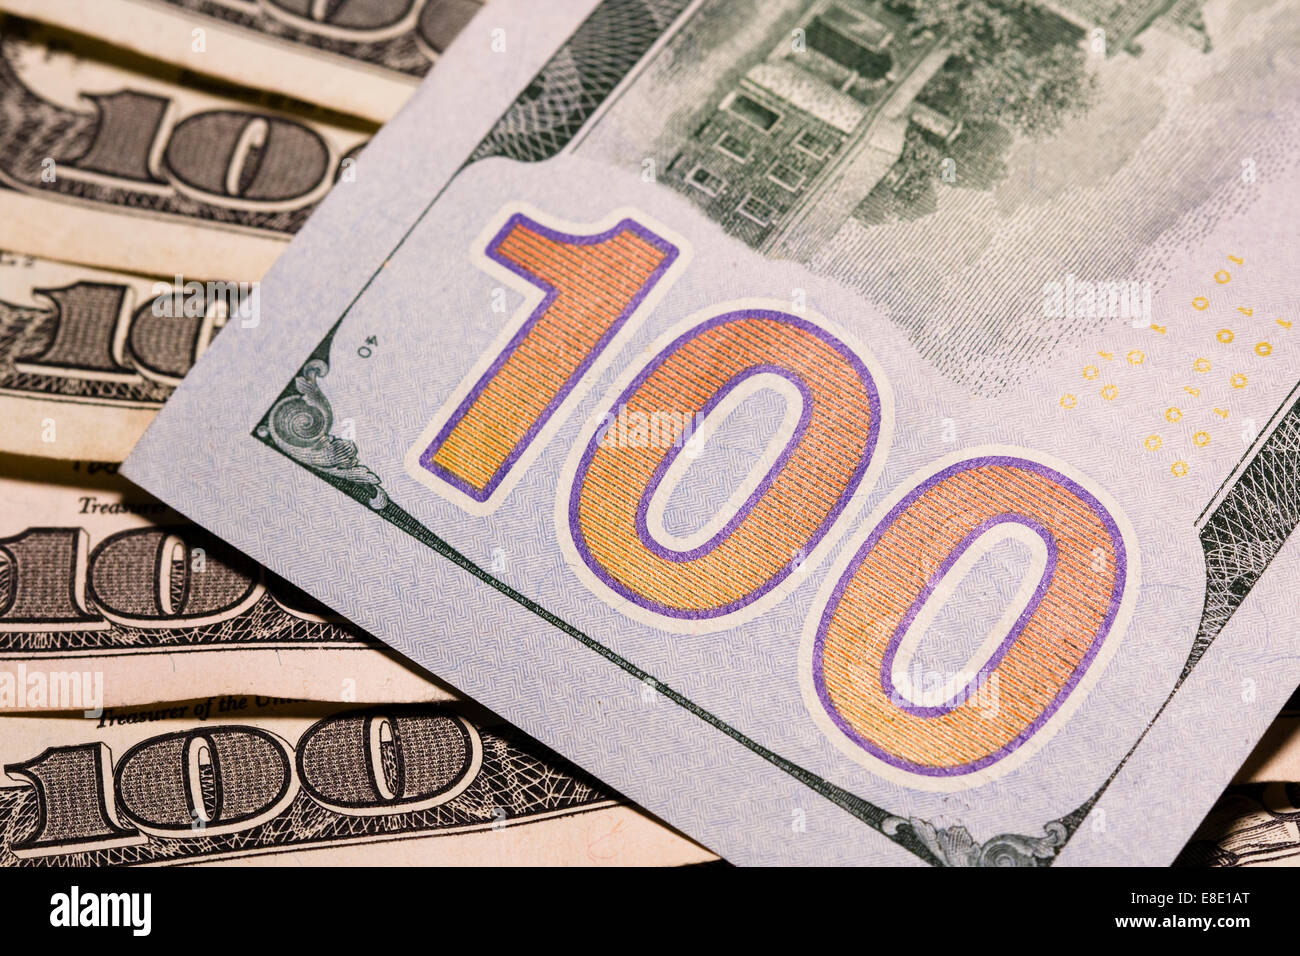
(363, 58)
(110, 598)
(88, 356)
(235, 779)
(115, 160)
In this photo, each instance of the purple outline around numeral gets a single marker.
(859, 473)
(1121, 574)
(494, 253)
(891, 650)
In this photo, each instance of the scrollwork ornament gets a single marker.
(954, 846)
(299, 425)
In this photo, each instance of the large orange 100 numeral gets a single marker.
(876, 607)
(910, 562)
(591, 286)
(794, 505)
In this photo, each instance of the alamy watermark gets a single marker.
(133, 911)
(661, 429)
(26, 688)
(238, 300)
(928, 688)
(1082, 298)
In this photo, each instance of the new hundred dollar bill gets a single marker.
(237, 779)
(363, 57)
(108, 598)
(887, 411)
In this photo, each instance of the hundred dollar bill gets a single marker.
(888, 411)
(1252, 824)
(236, 779)
(363, 57)
(1256, 822)
(112, 160)
(88, 356)
(109, 598)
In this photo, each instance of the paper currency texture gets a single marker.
(112, 599)
(891, 420)
(359, 58)
(236, 779)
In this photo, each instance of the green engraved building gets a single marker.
(812, 127)
(784, 133)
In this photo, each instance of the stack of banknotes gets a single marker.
(331, 329)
